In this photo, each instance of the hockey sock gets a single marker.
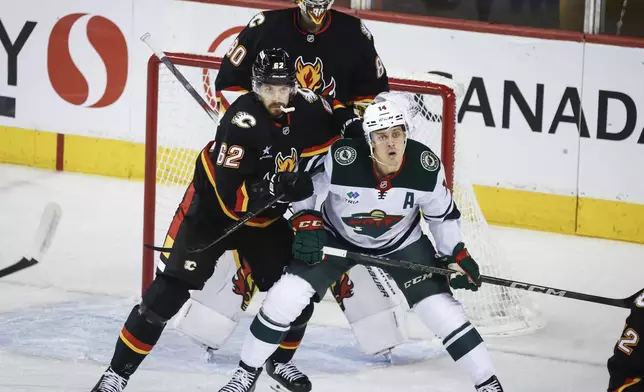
(466, 348)
(264, 338)
(291, 342)
(135, 342)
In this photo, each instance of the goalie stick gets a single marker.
(44, 235)
(147, 38)
(384, 261)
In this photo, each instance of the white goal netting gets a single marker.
(182, 128)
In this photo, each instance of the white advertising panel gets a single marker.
(611, 164)
(68, 66)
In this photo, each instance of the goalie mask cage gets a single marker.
(177, 129)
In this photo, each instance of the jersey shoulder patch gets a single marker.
(243, 120)
(422, 167)
(346, 151)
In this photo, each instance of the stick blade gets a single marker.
(46, 230)
(19, 266)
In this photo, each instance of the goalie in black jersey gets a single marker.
(255, 156)
(333, 54)
(626, 366)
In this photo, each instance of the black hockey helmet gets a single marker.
(274, 66)
(315, 9)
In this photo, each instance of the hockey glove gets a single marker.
(310, 236)
(467, 275)
(295, 185)
(352, 128)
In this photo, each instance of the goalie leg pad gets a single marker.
(211, 314)
(374, 306)
(445, 317)
(204, 325)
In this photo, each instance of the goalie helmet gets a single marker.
(315, 9)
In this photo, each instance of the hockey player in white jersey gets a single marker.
(376, 191)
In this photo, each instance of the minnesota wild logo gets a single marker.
(374, 223)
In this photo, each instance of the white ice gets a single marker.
(60, 319)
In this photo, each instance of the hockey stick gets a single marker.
(147, 38)
(232, 228)
(235, 226)
(384, 261)
(44, 235)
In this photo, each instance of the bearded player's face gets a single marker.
(275, 96)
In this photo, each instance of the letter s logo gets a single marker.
(67, 44)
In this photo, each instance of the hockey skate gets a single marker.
(287, 377)
(491, 385)
(110, 382)
(243, 380)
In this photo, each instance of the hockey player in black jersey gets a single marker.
(626, 366)
(333, 54)
(376, 191)
(259, 145)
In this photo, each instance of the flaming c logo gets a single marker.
(67, 79)
(243, 283)
(342, 289)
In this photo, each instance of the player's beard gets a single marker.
(275, 108)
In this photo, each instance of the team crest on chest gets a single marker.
(286, 163)
(311, 76)
(345, 155)
(373, 224)
(429, 161)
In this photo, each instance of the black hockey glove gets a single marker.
(295, 185)
(310, 236)
(467, 275)
(352, 128)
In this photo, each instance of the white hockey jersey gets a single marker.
(382, 215)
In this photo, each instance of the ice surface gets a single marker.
(59, 320)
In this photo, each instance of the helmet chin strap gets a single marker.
(373, 155)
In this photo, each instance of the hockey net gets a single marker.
(177, 129)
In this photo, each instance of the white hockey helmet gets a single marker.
(381, 114)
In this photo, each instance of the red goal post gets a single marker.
(213, 63)
(177, 129)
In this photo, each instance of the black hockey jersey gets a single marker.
(626, 366)
(339, 61)
(232, 172)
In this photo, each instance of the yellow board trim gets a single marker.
(532, 210)
(27, 147)
(106, 157)
(610, 219)
(510, 207)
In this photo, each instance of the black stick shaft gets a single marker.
(384, 261)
